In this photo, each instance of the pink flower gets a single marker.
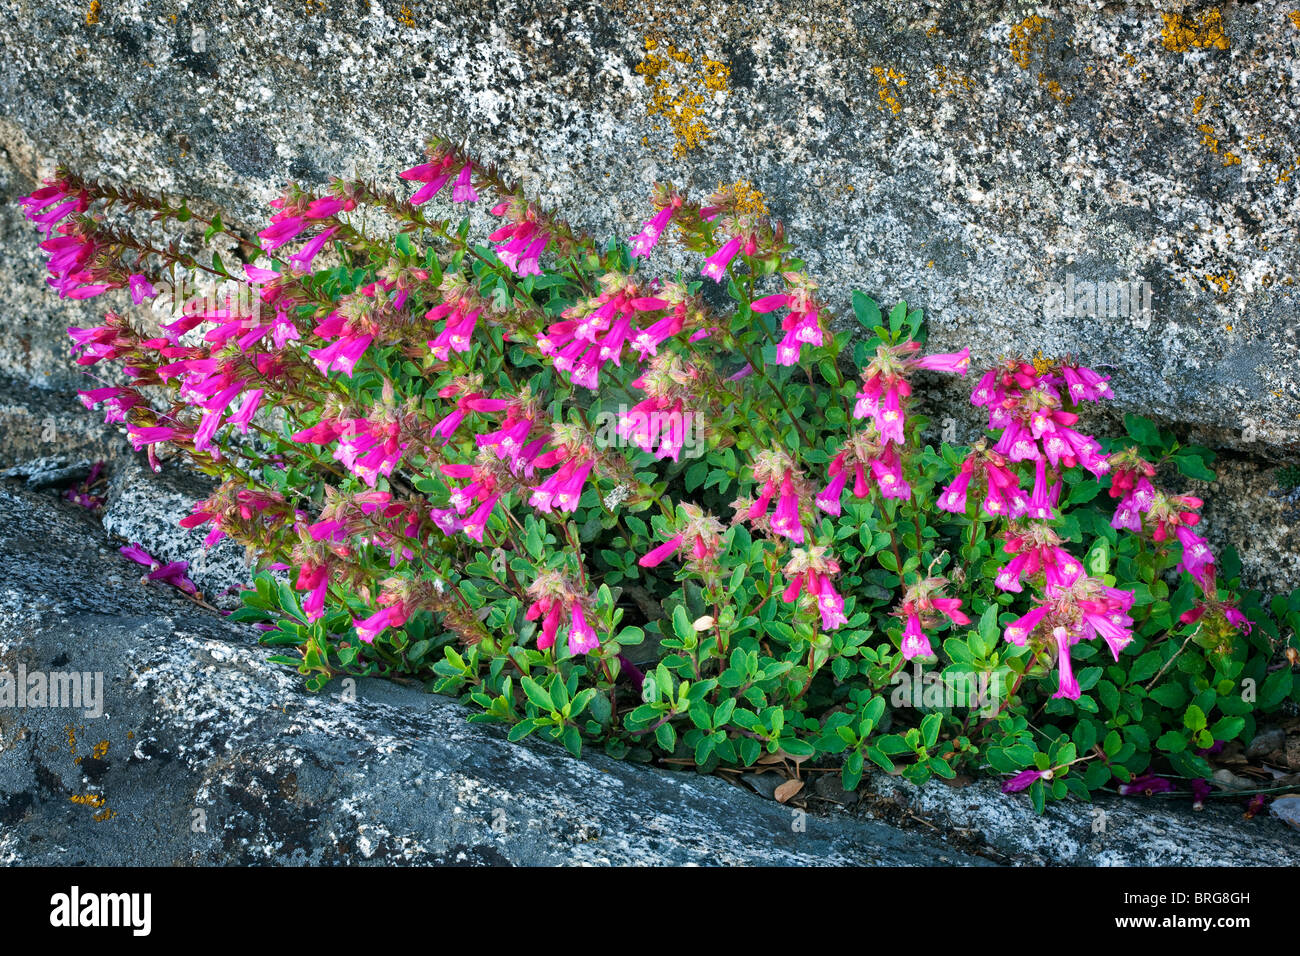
(715, 266)
(562, 490)
(434, 175)
(302, 259)
(141, 288)
(915, 643)
(52, 203)
(657, 555)
(395, 614)
(582, 638)
(1022, 780)
(809, 571)
(463, 191)
(645, 240)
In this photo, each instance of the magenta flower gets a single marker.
(1146, 785)
(715, 266)
(645, 240)
(52, 203)
(434, 175)
(915, 642)
(395, 614)
(1022, 780)
(657, 555)
(809, 571)
(562, 490)
(463, 190)
(581, 636)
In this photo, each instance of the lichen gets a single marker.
(1183, 32)
(884, 76)
(681, 89)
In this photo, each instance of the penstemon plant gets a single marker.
(657, 513)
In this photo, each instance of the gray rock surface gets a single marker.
(960, 157)
(207, 754)
(1112, 831)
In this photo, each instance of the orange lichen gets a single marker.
(748, 200)
(1211, 142)
(92, 14)
(1223, 282)
(947, 80)
(95, 800)
(885, 76)
(405, 16)
(1182, 32)
(1294, 17)
(681, 100)
(1029, 40)
(1025, 37)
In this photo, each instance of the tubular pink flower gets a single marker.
(657, 555)
(715, 266)
(645, 240)
(463, 191)
(1068, 686)
(915, 642)
(582, 638)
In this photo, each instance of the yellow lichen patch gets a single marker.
(1184, 32)
(884, 76)
(405, 16)
(950, 81)
(1294, 17)
(1043, 364)
(1054, 89)
(749, 201)
(95, 800)
(1198, 104)
(681, 89)
(1028, 36)
(92, 13)
(1029, 40)
(1211, 142)
(1223, 282)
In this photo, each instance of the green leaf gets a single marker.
(1194, 718)
(1142, 430)
(536, 693)
(866, 310)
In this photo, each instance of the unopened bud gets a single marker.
(703, 623)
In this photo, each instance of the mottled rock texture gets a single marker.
(964, 157)
(208, 754)
(205, 753)
(961, 156)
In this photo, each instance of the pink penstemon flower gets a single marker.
(1064, 615)
(572, 452)
(886, 387)
(556, 600)
(923, 607)
(667, 200)
(809, 572)
(697, 539)
(595, 331)
(778, 479)
(1036, 550)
